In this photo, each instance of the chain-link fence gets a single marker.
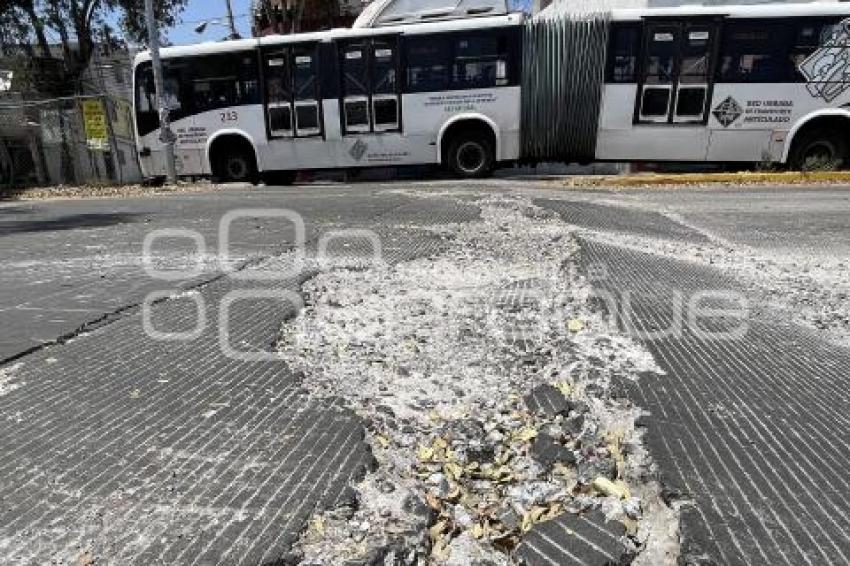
(74, 140)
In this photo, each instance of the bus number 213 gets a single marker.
(229, 116)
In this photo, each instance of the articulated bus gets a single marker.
(767, 83)
(443, 92)
(720, 84)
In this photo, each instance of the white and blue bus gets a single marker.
(720, 84)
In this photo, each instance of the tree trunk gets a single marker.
(7, 167)
(38, 28)
(83, 31)
(58, 23)
(37, 157)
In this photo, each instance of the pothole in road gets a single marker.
(484, 374)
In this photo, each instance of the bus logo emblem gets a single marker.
(358, 150)
(728, 111)
(827, 68)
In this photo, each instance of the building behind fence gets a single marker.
(80, 139)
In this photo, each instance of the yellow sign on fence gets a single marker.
(94, 119)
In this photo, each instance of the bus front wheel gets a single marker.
(239, 167)
(820, 150)
(471, 157)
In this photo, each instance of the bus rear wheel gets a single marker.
(471, 157)
(820, 150)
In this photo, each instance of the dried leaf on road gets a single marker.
(610, 488)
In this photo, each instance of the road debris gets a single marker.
(105, 190)
(7, 379)
(484, 374)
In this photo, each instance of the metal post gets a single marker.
(113, 141)
(166, 136)
(233, 33)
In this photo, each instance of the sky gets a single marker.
(199, 10)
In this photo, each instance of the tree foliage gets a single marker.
(70, 30)
(284, 17)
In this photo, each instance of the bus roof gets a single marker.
(776, 10)
(212, 48)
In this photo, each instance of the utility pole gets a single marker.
(233, 33)
(165, 134)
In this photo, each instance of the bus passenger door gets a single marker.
(659, 67)
(676, 81)
(307, 102)
(293, 108)
(370, 100)
(677, 72)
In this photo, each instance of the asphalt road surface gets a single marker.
(192, 451)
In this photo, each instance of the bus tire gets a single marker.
(821, 149)
(237, 165)
(471, 156)
(280, 178)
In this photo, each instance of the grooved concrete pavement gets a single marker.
(752, 427)
(147, 451)
(155, 452)
(67, 263)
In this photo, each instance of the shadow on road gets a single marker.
(69, 222)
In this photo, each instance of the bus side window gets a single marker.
(480, 61)
(147, 115)
(171, 94)
(355, 86)
(249, 79)
(221, 81)
(384, 85)
(305, 87)
(383, 68)
(810, 35)
(279, 92)
(174, 73)
(623, 53)
(756, 52)
(278, 78)
(427, 64)
(146, 101)
(660, 57)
